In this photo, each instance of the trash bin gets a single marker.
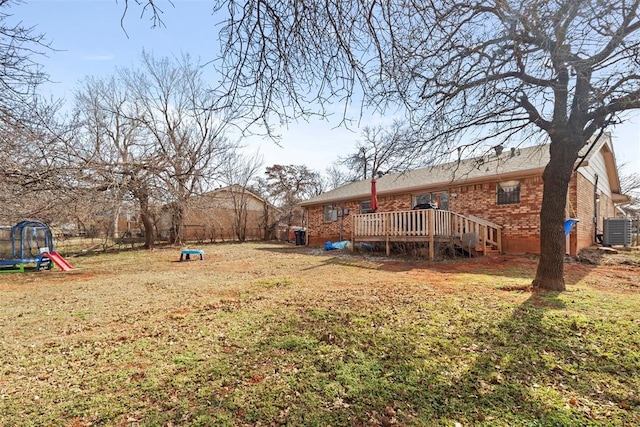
(300, 237)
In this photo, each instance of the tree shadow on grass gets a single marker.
(524, 369)
(531, 368)
(499, 374)
(347, 366)
(507, 368)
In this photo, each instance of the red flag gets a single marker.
(374, 195)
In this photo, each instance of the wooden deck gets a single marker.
(430, 226)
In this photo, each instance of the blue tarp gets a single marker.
(329, 246)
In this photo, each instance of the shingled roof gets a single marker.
(522, 162)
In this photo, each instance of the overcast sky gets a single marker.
(90, 41)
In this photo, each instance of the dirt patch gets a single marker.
(610, 256)
(614, 270)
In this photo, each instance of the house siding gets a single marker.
(520, 222)
(605, 209)
(597, 167)
(582, 209)
(582, 202)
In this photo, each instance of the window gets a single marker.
(508, 193)
(365, 207)
(330, 214)
(439, 199)
(420, 199)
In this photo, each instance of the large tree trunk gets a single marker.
(147, 223)
(556, 177)
(146, 217)
(149, 234)
(178, 222)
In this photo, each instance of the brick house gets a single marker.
(499, 193)
(214, 216)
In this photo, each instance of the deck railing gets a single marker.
(425, 224)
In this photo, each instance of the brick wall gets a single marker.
(212, 217)
(321, 231)
(520, 222)
(219, 223)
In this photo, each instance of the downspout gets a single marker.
(595, 210)
(305, 218)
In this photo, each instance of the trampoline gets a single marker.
(29, 239)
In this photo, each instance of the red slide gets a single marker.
(57, 259)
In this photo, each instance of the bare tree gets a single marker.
(239, 172)
(113, 149)
(464, 73)
(154, 135)
(381, 150)
(336, 176)
(630, 185)
(151, 9)
(179, 113)
(41, 178)
(34, 170)
(27, 166)
(288, 185)
(20, 73)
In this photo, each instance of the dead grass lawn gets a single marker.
(270, 334)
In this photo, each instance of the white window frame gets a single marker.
(508, 193)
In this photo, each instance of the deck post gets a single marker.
(432, 233)
(388, 247)
(353, 235)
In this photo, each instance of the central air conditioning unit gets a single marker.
(617, 231)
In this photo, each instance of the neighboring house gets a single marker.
(224, 214)
(497, 197)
